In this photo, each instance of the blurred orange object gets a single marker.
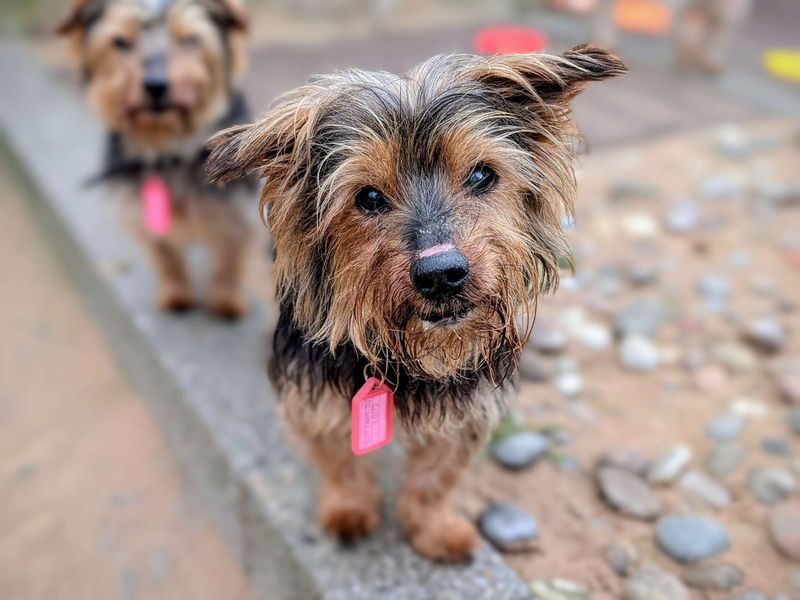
(649, 17)
(509, 40)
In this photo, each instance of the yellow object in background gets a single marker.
(650, 17)
(783, 63)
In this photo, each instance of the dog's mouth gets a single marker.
(444, 318)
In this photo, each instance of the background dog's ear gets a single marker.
(272, 145)
(551, 80)
(230, 13)
(82, 14)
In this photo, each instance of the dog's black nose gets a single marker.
(440, 275)
(156, 89)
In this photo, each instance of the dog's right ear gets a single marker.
(80, 16)
(276, 145)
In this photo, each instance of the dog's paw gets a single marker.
(349, 523)
(446, 537)
(349, 514)
(229, 307)
(175, 300)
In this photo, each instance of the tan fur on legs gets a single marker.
(225, 297)
(435, 464)
(174, 285)
(349, 498)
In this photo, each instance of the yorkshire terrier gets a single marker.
(415, 219)
(163, 76)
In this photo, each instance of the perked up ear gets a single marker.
(80, 16)
(548, 79)
(231, 14)
(273, 145)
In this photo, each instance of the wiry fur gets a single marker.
(348, 306)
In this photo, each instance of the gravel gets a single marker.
(628, 494)
(508, 527)
(691, 538)
(520, 450)
(653, 583)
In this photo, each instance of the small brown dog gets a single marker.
(162, 74)
(414, 218)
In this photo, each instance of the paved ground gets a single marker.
(91, 503)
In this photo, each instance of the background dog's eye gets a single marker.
(481, 178)
(122, 44)
(189, 41)
(371, 200)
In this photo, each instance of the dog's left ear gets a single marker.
(230, 13)
(81, 15)
(548, 80)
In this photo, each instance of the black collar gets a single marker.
(118, 166)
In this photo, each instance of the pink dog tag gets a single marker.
(157, 205)
(373, 408)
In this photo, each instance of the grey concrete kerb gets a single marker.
(205, 382)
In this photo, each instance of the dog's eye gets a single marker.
(481, 178)
(189, 41)
(122, 44)
(371, 200)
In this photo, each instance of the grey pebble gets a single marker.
(777, 446)
(683, 217)
(625, 459)
(628, 493)
(771, 485)
(666, 468)
(725, 428)
(507, 526)
(721, 577)
(691, 538)
(520, 450)
(765, 334)
(534, 367)
(639, 353)
(793, 419)
(547, 338)
(559, 589)
(707, 489)
(622, 557)
(642, 316)
(724, 459)
(715, 291)
(653, 583)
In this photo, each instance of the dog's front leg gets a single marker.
(225, 296)
(436, 461)
(349, 496)
(174, 285)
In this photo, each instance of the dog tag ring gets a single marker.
(371, 419)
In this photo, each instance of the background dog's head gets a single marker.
(157, 70)
(416, 216)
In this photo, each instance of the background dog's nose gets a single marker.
(156, 88)
(440, 276)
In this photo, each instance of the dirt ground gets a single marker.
(752, 243)
(91, 501)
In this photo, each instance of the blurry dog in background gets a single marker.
(163, 74)
(415, 217)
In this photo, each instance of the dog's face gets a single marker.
(157, 70)
(416, 216)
